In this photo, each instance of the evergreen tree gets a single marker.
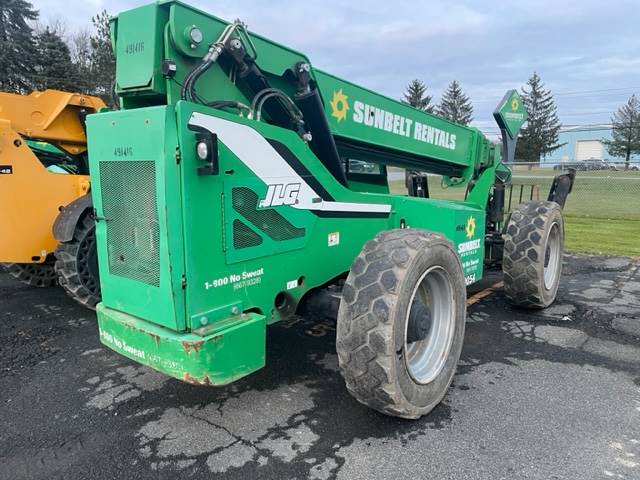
(54, 67)
(103, 63)
(416, 96)
(539, 136)
(17, 47)
(625, 135)
(455, 105)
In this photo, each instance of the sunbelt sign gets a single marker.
(378, 118)
(511, 113)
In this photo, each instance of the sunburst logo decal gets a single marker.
(339, 105)
(514, 104)
(470, 228)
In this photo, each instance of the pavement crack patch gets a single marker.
(216, 425)
(232, 432)
(524, 336)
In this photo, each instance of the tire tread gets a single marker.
(523, 248)
(67, 269)
(365, 359)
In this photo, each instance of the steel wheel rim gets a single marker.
(425, 359)
(552, 256)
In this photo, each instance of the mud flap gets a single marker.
(65, 223)
(561, 187)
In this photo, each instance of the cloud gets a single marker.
(489, 46)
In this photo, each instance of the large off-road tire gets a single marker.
(533, 247)
(33, 274)
(77, 264)
(393, 360)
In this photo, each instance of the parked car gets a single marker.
(619, 166)
(595, 165)
(359, 166)
(583, 165)
(564, 166)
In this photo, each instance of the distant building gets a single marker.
(584, 142)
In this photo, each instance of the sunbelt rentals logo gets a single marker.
(339, 105)
(515, 114)
(375, 117)
(470, 227)
(471, 245)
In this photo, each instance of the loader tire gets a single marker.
(533, 247)
(77, 264)
(392, 360)
(33, 274)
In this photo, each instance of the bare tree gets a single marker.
(81, 53)
(56, 25)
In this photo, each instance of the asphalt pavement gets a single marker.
(553, 394)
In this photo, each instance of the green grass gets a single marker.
(601, 236)
(602, 214)
(601, 195)
(435, 189)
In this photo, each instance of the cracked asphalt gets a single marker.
(544, 395)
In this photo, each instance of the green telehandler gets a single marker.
(237, 181)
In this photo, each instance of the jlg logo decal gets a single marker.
(281, 194)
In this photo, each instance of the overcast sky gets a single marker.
(586, 51)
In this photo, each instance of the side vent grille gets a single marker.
(245, 202)
(130, 207)
(244, 237)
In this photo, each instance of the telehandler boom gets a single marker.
(231, 186)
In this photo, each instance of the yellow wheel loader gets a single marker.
(46, 219)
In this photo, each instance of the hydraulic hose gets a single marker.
(260, 99)
(228, 104)
(188, 87)
(256, 98)
(187, 91)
